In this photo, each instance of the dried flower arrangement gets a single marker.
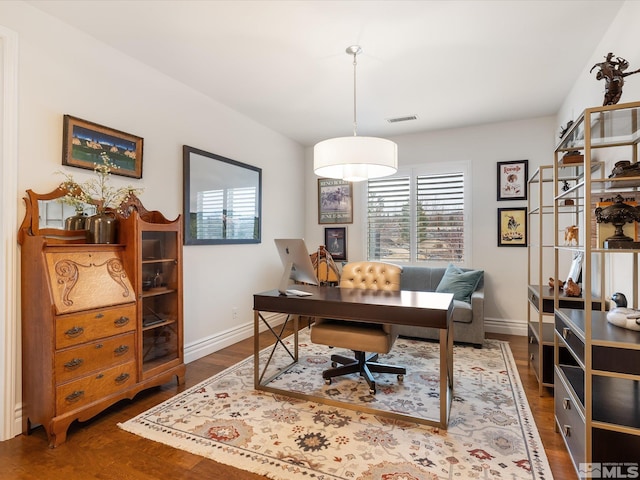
(97, 191)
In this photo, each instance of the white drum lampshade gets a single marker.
(355, 158)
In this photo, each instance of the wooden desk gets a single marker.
(427, 309)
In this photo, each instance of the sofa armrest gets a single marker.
(477, 305)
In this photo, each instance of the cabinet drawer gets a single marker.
(78, 361)
(572, 426)
(81, 392)
(571, 338)
(94, 324)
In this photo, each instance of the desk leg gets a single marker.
(256, 348)
(450, 350)
(446, 374)
(258, 379)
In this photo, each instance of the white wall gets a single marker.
(63, 71)
(481, 146)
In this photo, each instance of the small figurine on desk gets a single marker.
(621, 316)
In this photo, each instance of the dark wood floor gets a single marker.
(98, 449)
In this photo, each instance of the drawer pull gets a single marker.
(566, 404)
(99, 376)
(75, 396)
(531, 357)
(74, 332)
(123, 377)
(121, 322)
(100, 315)
(99, 345)
(566, 332)
(530, 339)
(73, 363)
(566, 430)
(121, 350)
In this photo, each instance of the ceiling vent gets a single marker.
(406, 118)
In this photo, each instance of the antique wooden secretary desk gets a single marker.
(100, 322)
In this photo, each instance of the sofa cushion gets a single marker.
(459, 282)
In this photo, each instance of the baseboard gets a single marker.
(504, 326)
(208, 345)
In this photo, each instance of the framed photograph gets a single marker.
(512, 180)
(335, 241)
(512, 227)
(576, 267)
(335, 201)
(84, 143)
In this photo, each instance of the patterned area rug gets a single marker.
(491, 432)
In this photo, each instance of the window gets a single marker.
(419, 216)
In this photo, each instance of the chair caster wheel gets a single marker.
(400, 378)
(327, 381)
(334, 364)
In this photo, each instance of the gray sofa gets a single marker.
(468, 317)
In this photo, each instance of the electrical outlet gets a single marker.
(234, 313)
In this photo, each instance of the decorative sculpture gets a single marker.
(552, 283)
(621, 316)
(565, 129)
(571, 288)
(613, 73)
(571, 235)
(618, 214)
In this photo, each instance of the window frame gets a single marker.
(413, 171)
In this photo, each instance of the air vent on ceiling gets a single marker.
(406, 118)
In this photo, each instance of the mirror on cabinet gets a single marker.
(48, 216)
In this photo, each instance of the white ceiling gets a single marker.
(283, 63)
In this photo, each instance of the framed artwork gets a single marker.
(512, 180)
(576, 267)
(335, 201)
(222, 202)
(84, 143)
(335, 241)
(512, 227)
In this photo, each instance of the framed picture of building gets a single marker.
(335, 201)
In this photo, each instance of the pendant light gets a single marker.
(355, 158)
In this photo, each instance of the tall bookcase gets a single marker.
(540, 296)
(540, 268)
(597, 364)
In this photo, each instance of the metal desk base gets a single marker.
(260, 383)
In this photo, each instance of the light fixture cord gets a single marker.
(355, 121)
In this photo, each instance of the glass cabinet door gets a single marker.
(160, 284)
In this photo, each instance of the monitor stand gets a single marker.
(284, 281)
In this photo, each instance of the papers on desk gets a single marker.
(298, 293)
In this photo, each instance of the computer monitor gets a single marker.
(297, 263)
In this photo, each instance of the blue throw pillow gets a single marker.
(462, 284)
